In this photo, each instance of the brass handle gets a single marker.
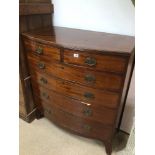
(43, 80)
(87, 127)
(41, 65)
(89, 95)
(47, 111)
(45, 95)
(90, 61)
(87, 112)
(39, 50)
(90, 78)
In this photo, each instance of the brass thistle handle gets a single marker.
(90, 61)
(87, 127)
(41, 65)
(46, 96)
(39, 51)
(90, 78)
(43, 80)
(87, 112)
(89, 95)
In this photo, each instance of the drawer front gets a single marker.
(76, 107)
(95, 61)
(99, 80)
(42, 51)
(78, 125)
(86, 94)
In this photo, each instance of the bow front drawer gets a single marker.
(96, 61)
(76, 107)
(76, 124)
(42, 51)
(85, 94)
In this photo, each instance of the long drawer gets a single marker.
(76, 124)
(96, 61)
(100, 80)
(76, 107)
(86, 94)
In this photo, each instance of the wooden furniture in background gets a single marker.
(80, 78)
(33, 14)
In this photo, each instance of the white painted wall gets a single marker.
(113, 16)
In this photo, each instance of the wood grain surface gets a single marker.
(76, 107)
(104, 98)
(79, 125)
(76, 74)
(83, 40)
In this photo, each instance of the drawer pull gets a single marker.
(46, 96)
(41, 65)
(39, 51)
(43, 80)
(90, 78)
(87, 112)
(89, 95)
(47, 111)
(90, 61)
(87, 127)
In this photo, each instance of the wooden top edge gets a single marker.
(77, 39)
(35, 8)
(35, 1)
(34, 4)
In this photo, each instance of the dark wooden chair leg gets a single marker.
(108, 147)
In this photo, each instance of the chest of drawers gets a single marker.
(80, 78)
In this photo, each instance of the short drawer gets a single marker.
(76, 124)
(96, 79)
(42, 51)
(96, 61)
(76, 107)
(86, 94)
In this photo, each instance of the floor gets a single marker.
(41, 137)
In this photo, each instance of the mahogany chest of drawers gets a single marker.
(80, 78)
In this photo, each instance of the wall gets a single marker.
(113, 16)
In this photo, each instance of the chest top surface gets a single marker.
(83, 39)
